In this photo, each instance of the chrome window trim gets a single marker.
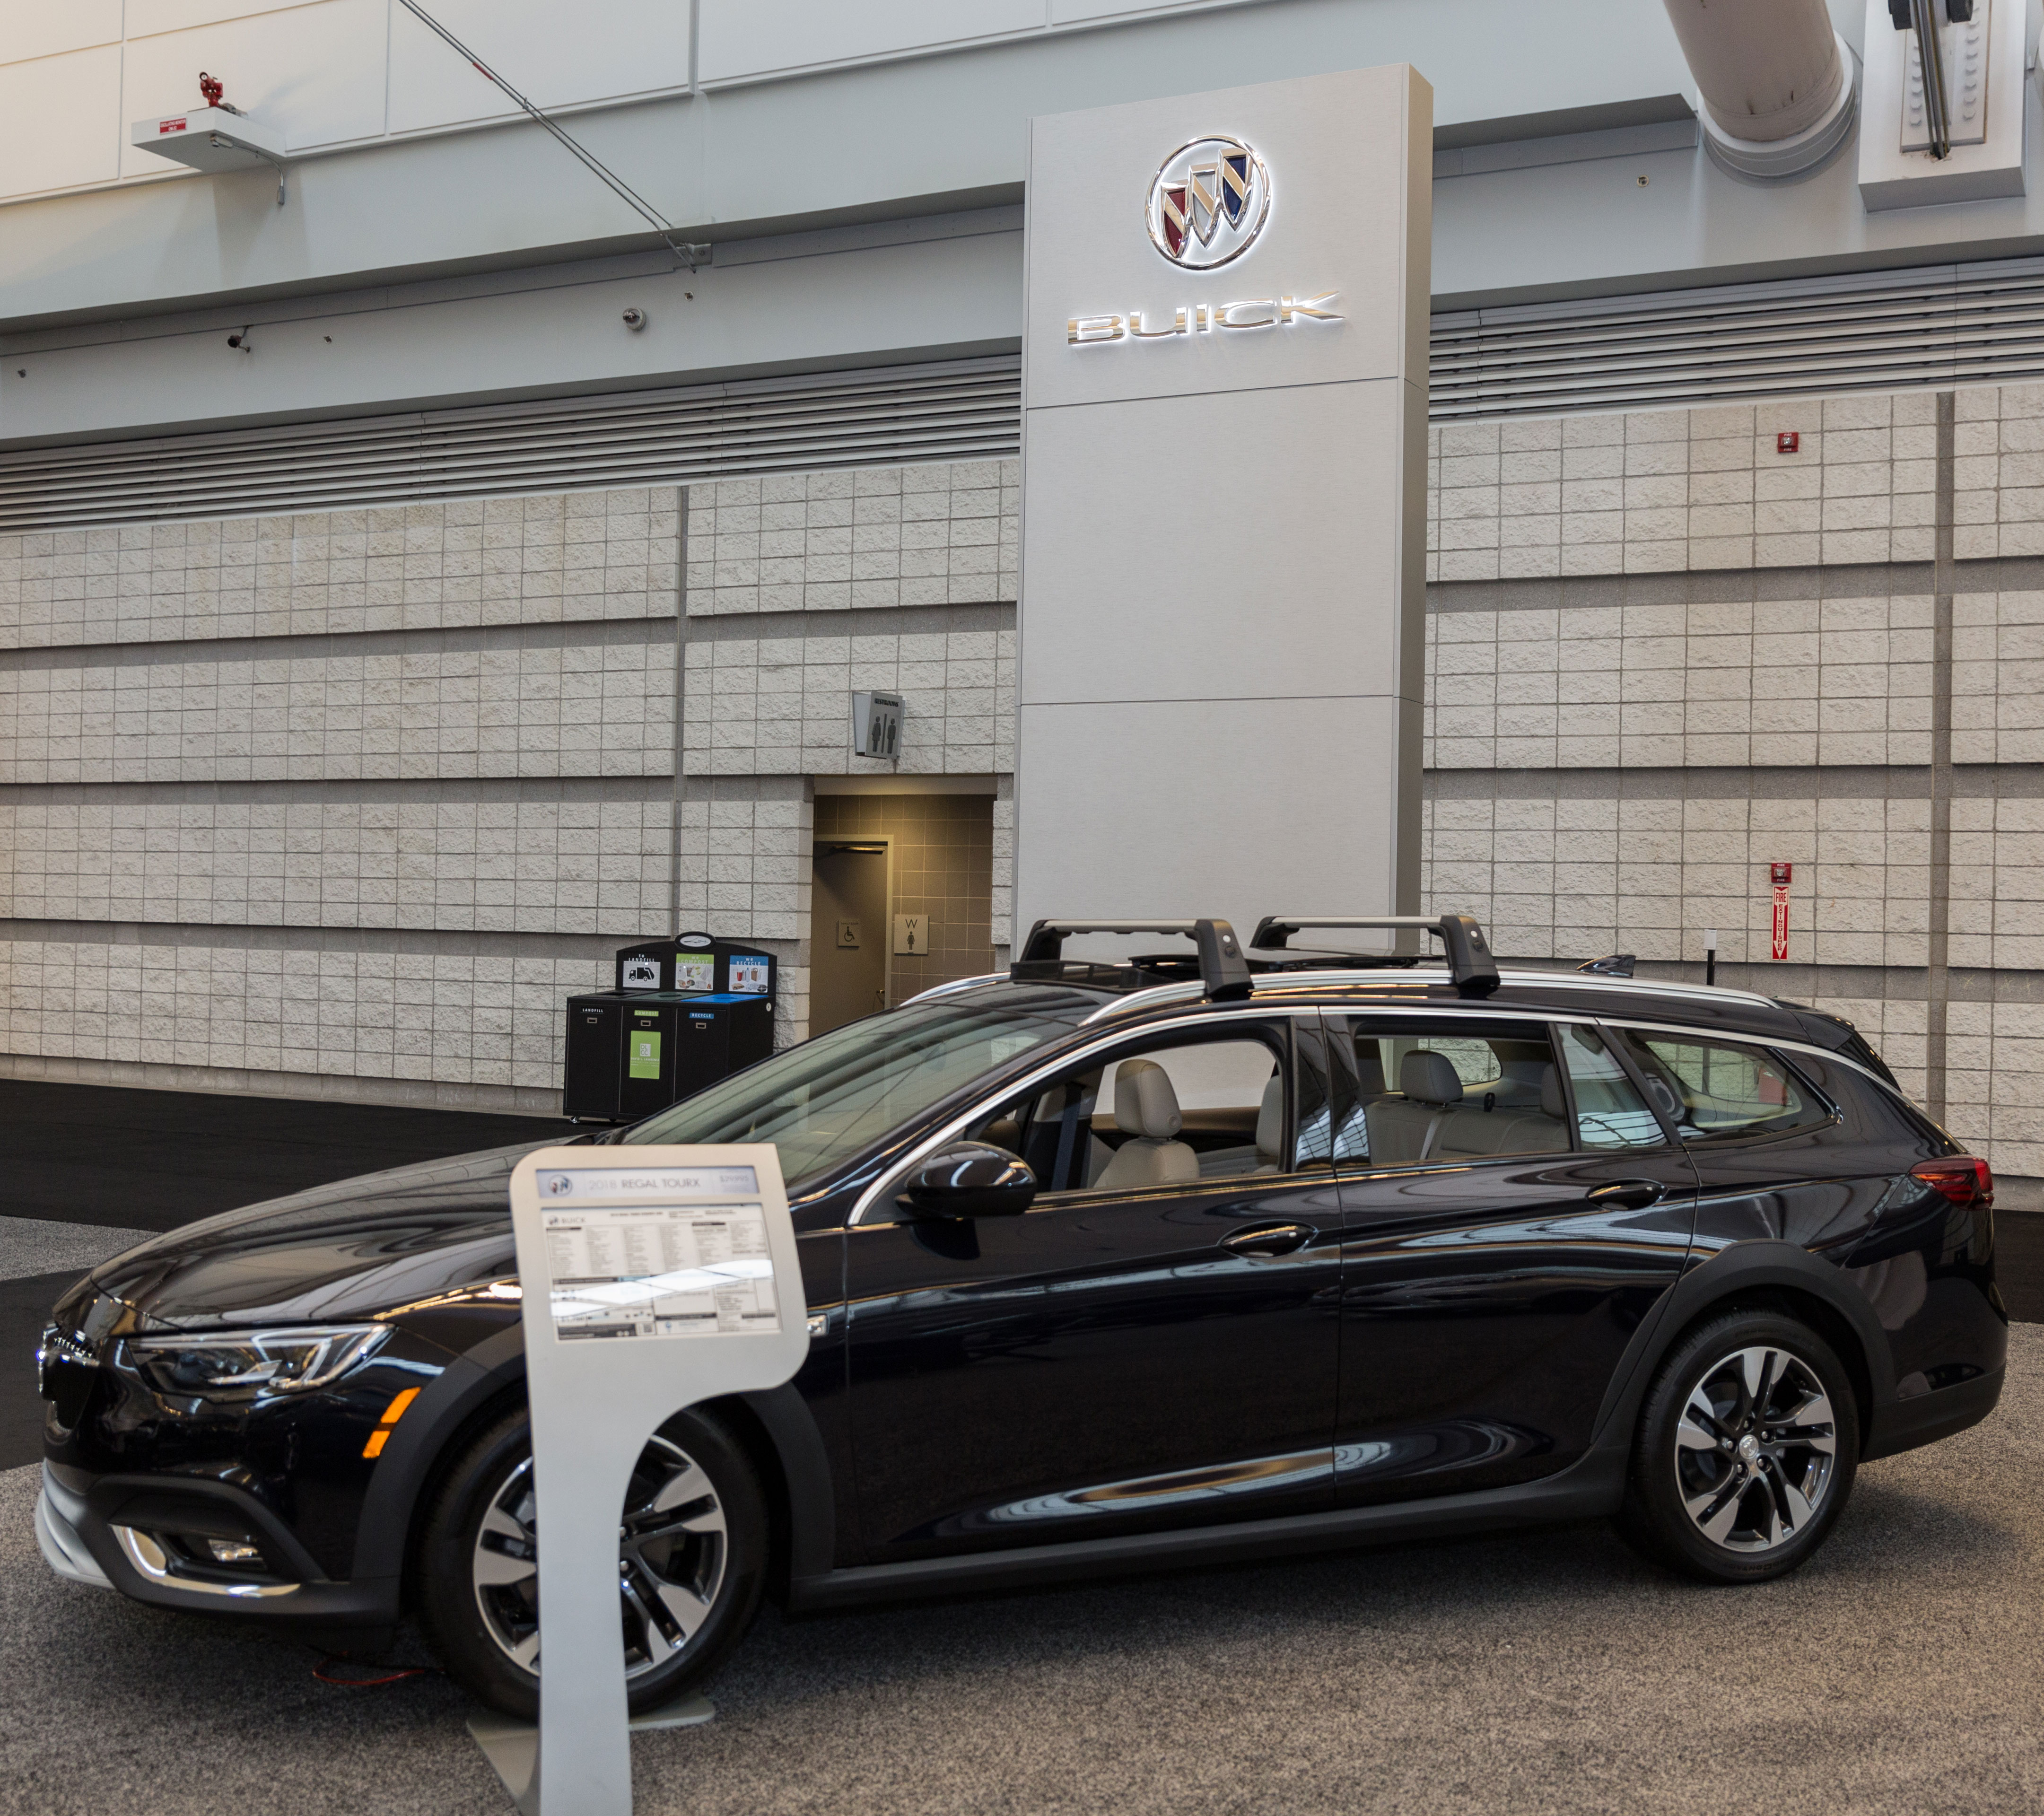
(1760, 1040)
(1512, 1011)
(1042, 1074)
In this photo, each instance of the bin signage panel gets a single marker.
(748, 976)
(694, 973)
(645, 1053)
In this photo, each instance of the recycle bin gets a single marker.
(686, 1012)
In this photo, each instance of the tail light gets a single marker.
(1963, 1178)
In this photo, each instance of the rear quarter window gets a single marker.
(1721, 1090)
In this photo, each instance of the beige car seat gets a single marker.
(1146, 1110)
(1404, 1130)
(1479, 1129)
(1270, 1127)
(1265, 1153)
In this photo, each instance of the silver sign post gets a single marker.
(653, 1278)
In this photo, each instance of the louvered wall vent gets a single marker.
(961, 410)
(1949, 325)
(1889, 331)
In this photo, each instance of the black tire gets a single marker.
(1732, 1491)
(702, 1549)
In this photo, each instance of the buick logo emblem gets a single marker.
(1208, 202)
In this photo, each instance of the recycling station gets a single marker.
(686, 1012)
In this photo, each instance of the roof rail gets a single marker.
(1470, 963)
(1222, 968)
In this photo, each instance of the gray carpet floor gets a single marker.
(1902, 1670)
(38, 1245)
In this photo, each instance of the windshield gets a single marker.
(823, 1101)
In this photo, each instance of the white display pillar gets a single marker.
(1223, 513)
(653, 1278)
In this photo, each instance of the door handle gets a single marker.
(1268, 1238)
(1629, 1194)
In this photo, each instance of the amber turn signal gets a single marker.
(392, 1413)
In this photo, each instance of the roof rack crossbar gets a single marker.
(1222, 968)
(1470, 962)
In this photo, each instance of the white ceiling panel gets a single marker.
(1081, 12)
(315, 73)
(74, 100)
(46, 28)
(560, 58)
(736, 39)
(147, 18)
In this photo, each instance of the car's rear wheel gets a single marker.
(692, 1558)
(1746, 1450)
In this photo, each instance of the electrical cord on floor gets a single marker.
(320, 1673)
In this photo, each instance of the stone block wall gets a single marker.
(1664, 653)
(346, 802)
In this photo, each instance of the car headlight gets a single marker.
(243, 1364)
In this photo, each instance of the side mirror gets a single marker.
(969, 1179)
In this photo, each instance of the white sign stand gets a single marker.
(653, 1278)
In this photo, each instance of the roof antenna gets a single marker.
(688, 252)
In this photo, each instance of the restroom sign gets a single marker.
(876, 725)
(912, 935)
(1782, 874)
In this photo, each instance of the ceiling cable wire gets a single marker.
(687, 252)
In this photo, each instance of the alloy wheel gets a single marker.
(1756, 1449)
(672, 1549)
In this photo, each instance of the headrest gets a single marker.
(1271, 1119)
(1552, 1102)
(1144, 1103)
(1426, 1078)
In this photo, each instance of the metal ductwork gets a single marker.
(1776, 80)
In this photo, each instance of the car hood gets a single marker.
(359, 1247)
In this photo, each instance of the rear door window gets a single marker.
(1609, 1112)
(1412, 1090)
(1719, 1091)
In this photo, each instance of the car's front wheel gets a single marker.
(692, 1560)
(1746, 1450)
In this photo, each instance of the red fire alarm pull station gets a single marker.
(1787, 442)
(1782, 874)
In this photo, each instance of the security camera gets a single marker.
(241, 341)
(635, 319)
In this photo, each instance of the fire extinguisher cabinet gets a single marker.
(686, 1012)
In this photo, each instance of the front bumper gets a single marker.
(58, 1514)
(113, 1533)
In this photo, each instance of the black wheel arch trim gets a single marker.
(1713, 1278)
(495, 1368)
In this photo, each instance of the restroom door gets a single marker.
(848, 932)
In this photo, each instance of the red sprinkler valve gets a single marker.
(212, 87)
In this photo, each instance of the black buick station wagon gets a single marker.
(1108, 1266)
